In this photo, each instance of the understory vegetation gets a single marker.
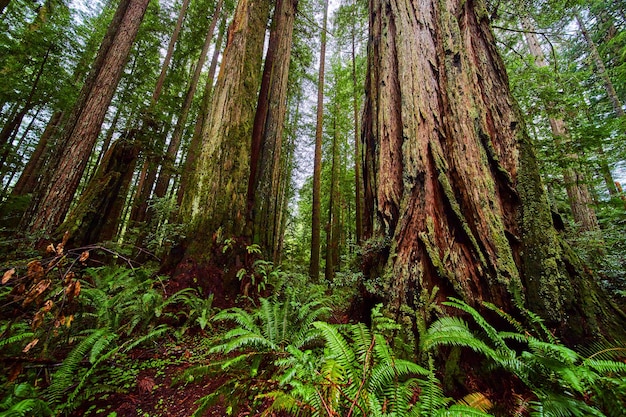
(73, 334)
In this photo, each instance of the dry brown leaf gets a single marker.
(146, 385)
(51, 249)
(47, 306)
(77, 289)
(69, 320)
(83, 256)
(8, 275)
(15, 371)
(35, 270)
(36, 291)
(68, 278)
(30, 345)
(38, 320)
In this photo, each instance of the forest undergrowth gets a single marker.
(79, 339)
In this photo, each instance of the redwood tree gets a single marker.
(451, 179)
(80, 133)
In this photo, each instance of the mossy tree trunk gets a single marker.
(216, 199)
(96, 216)
(267, 134)
(451, 181)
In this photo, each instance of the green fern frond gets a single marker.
(28, 407)
(453, 331)
(459, 410)
(64, 378)
(489, 330)
(20, 337)
(476, 400)
(339, 348)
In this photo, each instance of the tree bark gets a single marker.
(96, 216)
(453, 191)
(81, 131)
(578, 193)
(267, 132)
(216, 198)
(167, 167)
(203, 114)
(314, 265)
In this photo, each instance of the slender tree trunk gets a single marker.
(170, 51)
(314, 266)
(456, 199)
(167, 167)
(215, 202)
(28, 179)
(332, 236)
(358, 186)
(267, 132)
(18, 146)
(203, 115)
(578, 194)
(81, 131)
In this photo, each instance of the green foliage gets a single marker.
(565, 383)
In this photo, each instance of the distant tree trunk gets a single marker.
(314, 266)
(203, 114)
(215, 202)
(81, 132)
(608, 84)
(167, 167)
(453, 191)
(358, 184)
(578, 193)
(28, 179)
(170, 51)
(332, 232)
(267, 132)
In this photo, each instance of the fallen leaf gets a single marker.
(83, 256)
(36, 291)
(30, 345)
(8, 275)
(35, 270)
(50, 248)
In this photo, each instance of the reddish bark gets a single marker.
(81, 131)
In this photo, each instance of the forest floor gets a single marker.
(156, 391)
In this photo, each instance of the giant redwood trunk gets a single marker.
(49, 208)
(216, 197)
(451, 179)
(267, 134)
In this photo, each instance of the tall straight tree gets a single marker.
(314, 265)
(578, 194)
(267, 133)
(80, 133)
(167, 167)
(451, 178)
(216, 199)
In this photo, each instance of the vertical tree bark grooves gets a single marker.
(217, 194)
(81, 131)
(332, 232)
(314, 266)
(578, 193)
(264, 195)
(452, 183)
(167, 167)
(203, 114)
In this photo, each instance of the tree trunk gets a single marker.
(332, 232)
(314, 266)
(203, 114)
(96, 216)
(216, 198)
(267, 132)
(453, 191)
(167, 167)
(81, 131)
(578, 193)
(170, 51)
(358, 185)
